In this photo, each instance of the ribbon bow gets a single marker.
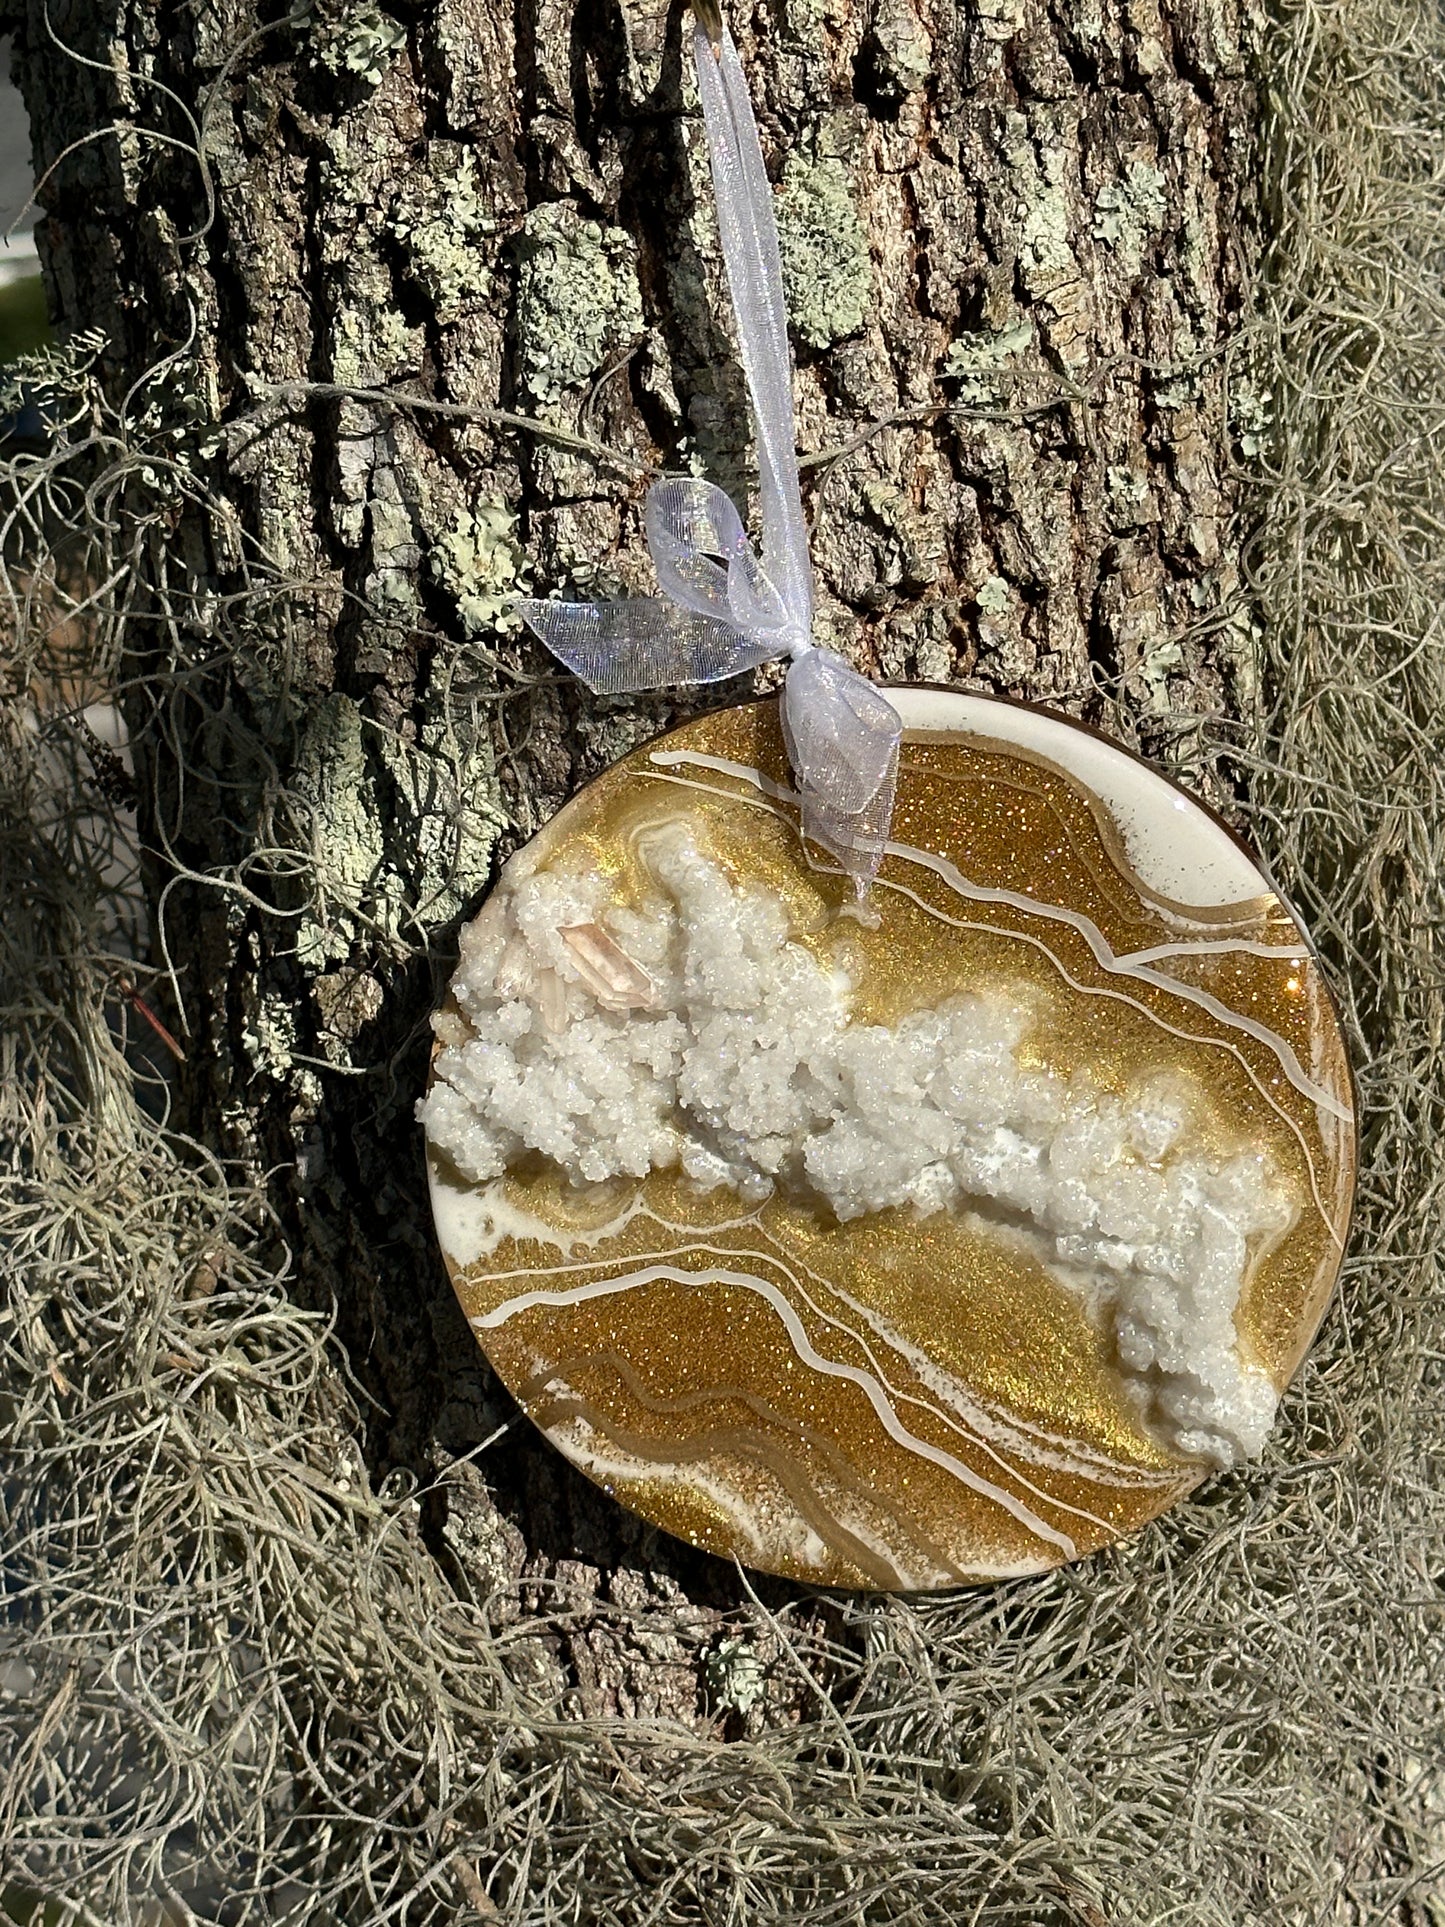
(723, 610)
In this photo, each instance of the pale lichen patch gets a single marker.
(827, 268)
(1004, 649)
(1048, 266)
(977, 361)
(733, 1674)
(444, 818)
(400, 831)
(907, 545)
(268, 1032)
(1130, 496)
(442, 221)
(480, 562)
(899, 51)
(359, 40)
(346, 1001)
(578, 300)
(1160, 660)
(1251, 416)
(994, 597)
(1129, 213)
(1001, 20)
(341, 823)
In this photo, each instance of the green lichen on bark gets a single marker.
(358, 40)
(977, 361)
(268, 1034)
(480, 563)
(440, 217)
(340, 822)
(444, 816)
(1128, 213)
(578, 302)
(733, 1674)
(897, 51)
(827, 268)
(908, 547)
(371, 342)
(1046, 223)
(400, 829)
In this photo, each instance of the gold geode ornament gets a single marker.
(931, 1211)
(903, 1254)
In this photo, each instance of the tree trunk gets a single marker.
(1014, 240)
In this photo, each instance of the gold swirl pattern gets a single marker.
(906, 1400)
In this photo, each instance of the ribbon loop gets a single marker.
(704, 559)
(693, 533)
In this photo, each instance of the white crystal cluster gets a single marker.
(701, 1035)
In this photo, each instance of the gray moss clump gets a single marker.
(578, 302)
(827, 269)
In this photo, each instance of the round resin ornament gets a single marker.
(933, 1242)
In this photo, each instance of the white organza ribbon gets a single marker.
(723, 610)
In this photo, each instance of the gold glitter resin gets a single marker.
(903, 1401)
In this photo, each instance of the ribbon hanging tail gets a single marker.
(748, 232)
(641, 643)
(842, 735)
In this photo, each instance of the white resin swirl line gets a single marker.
(740, 1510)
(616, 1463)
(959, 1425)
(696, 1476)
(977, 1415)
(517, 1223)
(972, 1420)
(1033, 1441)
(1093, 936)
(808, 1355)
(976, 1418)
(780, 793)
(721, 766)
(1084, 990)
(1218, 946)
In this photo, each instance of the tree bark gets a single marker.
(1015, 235)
